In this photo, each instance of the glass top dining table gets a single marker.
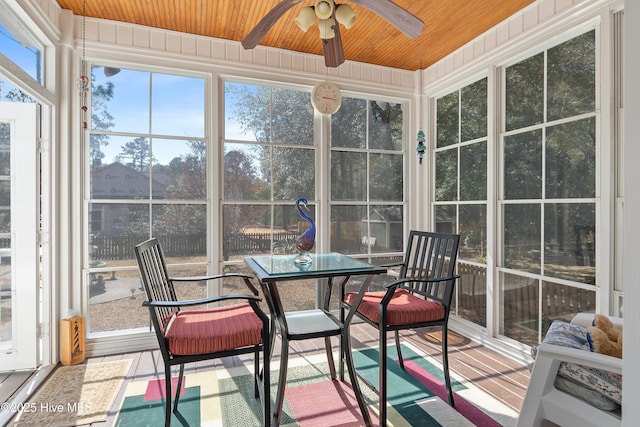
(318, 323)
(272, 268)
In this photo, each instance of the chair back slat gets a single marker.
(155, 279)
(432, 256)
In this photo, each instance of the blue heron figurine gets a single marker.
(305, 241)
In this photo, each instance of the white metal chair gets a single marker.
(544, 401)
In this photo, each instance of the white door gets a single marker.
(19, 225)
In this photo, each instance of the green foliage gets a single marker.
(13, 94)
(187, 174)
(274, 160)
(272, 115)
(136, 154)
(101, 119)
(548, 153)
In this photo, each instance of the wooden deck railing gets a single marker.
(520, 300)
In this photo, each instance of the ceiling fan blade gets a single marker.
(400, 18)
(253, 38)
(333, 51)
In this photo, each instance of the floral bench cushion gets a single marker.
(602, 389)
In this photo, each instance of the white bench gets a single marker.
(545, 401)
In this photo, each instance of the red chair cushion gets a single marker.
(213, 330)
(403, 309)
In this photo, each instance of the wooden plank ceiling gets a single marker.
(448, 25)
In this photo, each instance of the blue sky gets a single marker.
(176, 103)
(25, 57)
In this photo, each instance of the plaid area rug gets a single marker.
(224, 397)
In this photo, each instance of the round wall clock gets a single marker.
(326, 97)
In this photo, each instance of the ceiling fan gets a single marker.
(330, 15)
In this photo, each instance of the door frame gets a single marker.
(23, 351)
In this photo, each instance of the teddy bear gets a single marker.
(604, 337)
(605, 324)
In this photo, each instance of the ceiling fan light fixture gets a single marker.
(345, 15)
(327, 28)
(306, 18)
(324, 8)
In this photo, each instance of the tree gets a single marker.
(242, 180)
(186, 176)
(14, 94)
(550, 157)
(279, 116)
(366, 156)
(137, 152)
(101, 119)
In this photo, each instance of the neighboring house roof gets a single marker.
(118, 181)
(389, 214)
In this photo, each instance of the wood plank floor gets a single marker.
(498, 375)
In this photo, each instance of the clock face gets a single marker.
(326, 97)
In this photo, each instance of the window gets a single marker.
(367, 177)
(25, 120)
(269, 162)
(548, 207)
(19, 46)
(618, 114)
(460, 204)
(271, 153)
(146, 177)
